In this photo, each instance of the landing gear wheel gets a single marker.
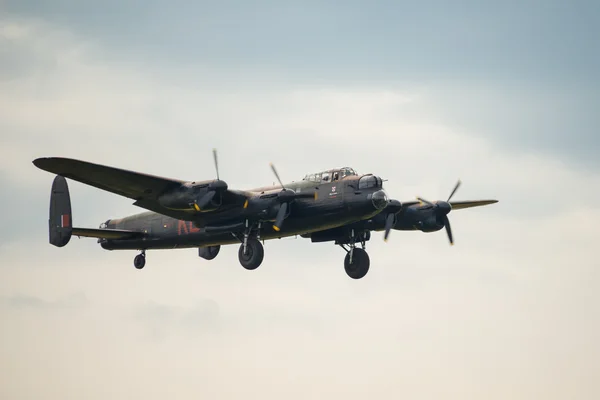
(139, 261)
(360, 264)
(209, 253)
(254, 254)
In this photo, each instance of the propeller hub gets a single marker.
(394, 206)
(218, 185)
(444, 207)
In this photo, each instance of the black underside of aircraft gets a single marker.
(336, 205)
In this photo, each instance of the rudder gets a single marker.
(60, 223)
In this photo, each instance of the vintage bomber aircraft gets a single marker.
(336, 205)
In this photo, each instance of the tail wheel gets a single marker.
(139, 261)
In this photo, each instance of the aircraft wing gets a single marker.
(134, 185)
(457, 205)
(143, 188)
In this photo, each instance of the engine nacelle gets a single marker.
(266, 207)
(209, 253)
(431, 224)
(188, 194)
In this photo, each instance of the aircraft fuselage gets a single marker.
(338, 203)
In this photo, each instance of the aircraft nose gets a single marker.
(379, 200)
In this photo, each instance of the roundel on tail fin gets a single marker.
(60, 222)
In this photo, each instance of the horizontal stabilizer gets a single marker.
(457, 205)
(107, 233)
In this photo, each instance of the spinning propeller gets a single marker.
(216, 186)
(393, 208)
(285, 197)
(441, 210)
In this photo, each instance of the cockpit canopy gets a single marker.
(331, 175)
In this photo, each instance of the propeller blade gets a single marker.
(280, 216)
(422, 200)
(448, 229)
(389, 223)
(216, 162)
(454, 190)
(204, 200)
(276, 175)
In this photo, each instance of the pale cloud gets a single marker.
(162, 319)
(20, 301)
(14, 31)
(510, 311)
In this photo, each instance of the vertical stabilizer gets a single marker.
(60, 223)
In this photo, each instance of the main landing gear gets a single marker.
(251, 252)
(140, 260)
(356, 262)
(251, 255)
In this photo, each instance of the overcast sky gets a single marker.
(504, 96)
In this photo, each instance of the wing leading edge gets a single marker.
(145, 189)
(134, 185)
(458, 205)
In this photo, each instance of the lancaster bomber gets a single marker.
(336, 205)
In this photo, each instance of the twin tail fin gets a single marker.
(60, 222)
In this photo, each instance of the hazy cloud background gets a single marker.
(503, 96)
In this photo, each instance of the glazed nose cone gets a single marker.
(379, 200)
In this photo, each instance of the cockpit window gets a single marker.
(331, 175)
(369, 181)
(347, 172)
(313, 178)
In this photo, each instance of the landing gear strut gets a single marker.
(140, 260)
(356, 262)
(251, 251)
